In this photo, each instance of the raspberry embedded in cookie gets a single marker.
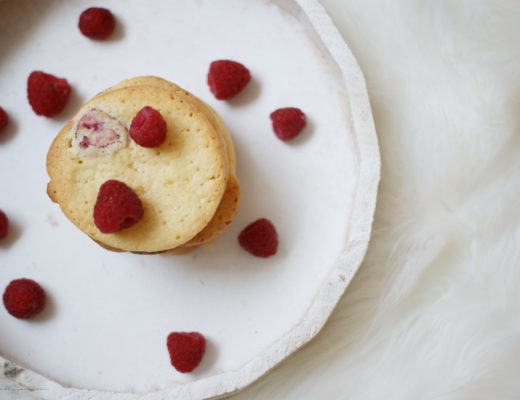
(117, 207)
(227, 78)
(24, 298)
(148, 128)
(98, 132)
(97, 23)
(186, 350)
(288, 122)
(48, 95)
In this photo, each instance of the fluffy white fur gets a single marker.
(434, 311)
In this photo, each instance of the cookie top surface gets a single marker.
(229, 204)
(213, 116)
(180, 183)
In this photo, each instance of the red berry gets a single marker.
(259, 238)
(227, 78)
(117, 207)
(288, 122)
(4, 119)
(186, 350)
(148, 128)
(97, 23)
(24, 298)
(4, 225)
(47, 94)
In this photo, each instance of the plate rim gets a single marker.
(336, 281)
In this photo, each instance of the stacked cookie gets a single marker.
(187, 185)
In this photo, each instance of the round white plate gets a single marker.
(103, 335)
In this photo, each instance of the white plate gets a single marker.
(109, 314)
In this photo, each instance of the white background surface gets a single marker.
(433, 313)
(129, 303)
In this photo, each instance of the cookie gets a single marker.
(180, 183)
(225, 214)
(208, 110)
(230, 203)
(231, 199)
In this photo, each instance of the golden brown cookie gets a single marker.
(181, 183)
(230, 202)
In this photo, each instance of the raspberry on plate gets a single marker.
(24, 298)
(227, 78)
(47, 94)
(259, 238)
(186, 350)
(117, 207)
(97, 23)
(148, 128)
(4, 119)
(4, 225)
(288, 122)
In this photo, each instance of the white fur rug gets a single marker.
(434, 312)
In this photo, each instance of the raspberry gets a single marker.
(97, 23)
(148, 128)
(4, 225)
(259, 238)
(24, 298)
(186, 350)
(117, 207)
(227, 78)
(288, 122)
(47, 94)
(4, 119)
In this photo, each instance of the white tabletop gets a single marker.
(433, 312)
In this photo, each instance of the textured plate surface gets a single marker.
(103, 334)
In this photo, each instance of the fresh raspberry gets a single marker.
(47, 94)
(97, 23)
(148, 128)
(4, 225)
(117, 207)
(259, 238)
(227, 78)
(186, 350)
(4, 119)
(24, 298)
(288, 122)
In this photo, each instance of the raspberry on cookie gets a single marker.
(117, 207)
(148, 128)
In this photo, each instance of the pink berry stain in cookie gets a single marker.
(99, 133)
